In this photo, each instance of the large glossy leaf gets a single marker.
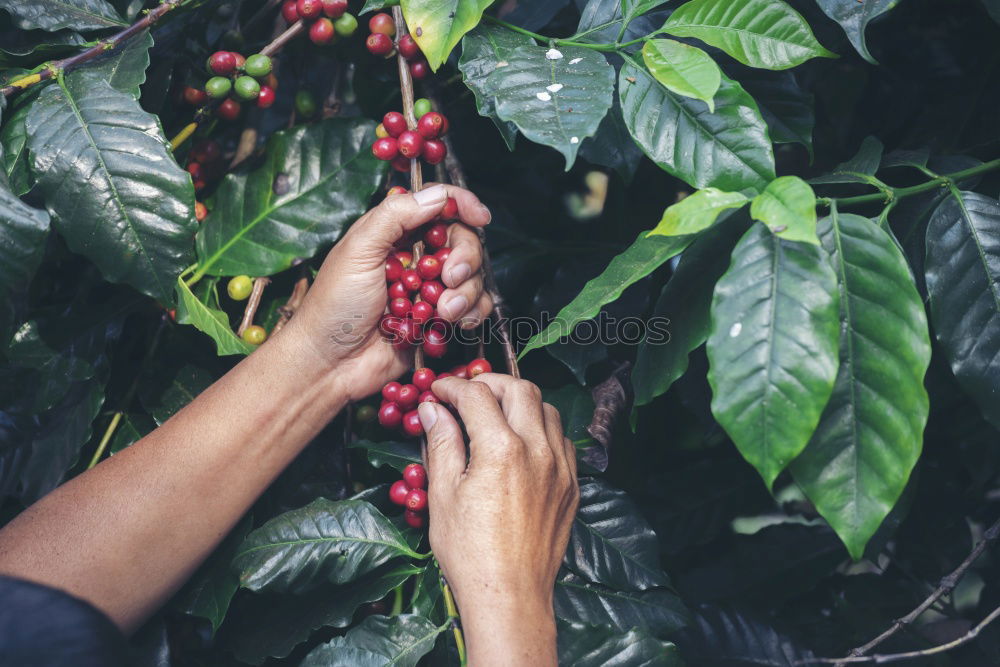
(612, 146)
(124, 68)
(325, 541)
(315, 180)
(379, 641)
(555, 97)
(788, 207)
(658, 611)
(30, 48)
(787, 108)
(603, 21)
(611, 543)
(209, 320)
(113, 188)
(395, 454)
(438, 25)
(638, 261)
(760, 33)
(55, 15)
(14, 142)
(870, 435)
(697, 212)
(683, 309)
(963, 280)
(718, 638)
(482, 50)
(854, 17)
(728, 149)
(583, 645)
(773, 347)
(23, 231)
(683, 69)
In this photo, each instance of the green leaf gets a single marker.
(683, 69)
(23, 231)
(683, 311)
(555, 97)
(315, 179)
(376, 5)
(124, 68)
(786, 107)
(612, 145)
(324, 541)
(963, 280)
(14, 141)
(438, 25)
(482, 50)
(869, 437)
(697, 212)
(52, 15)
(604, 21)
(854, 18)
(583, 645)
(760, 33)
(788, 207)
(211, 321)
(728, 149)
(34, 47)
(638, 261)
(379, 641)
(111, 184)
(659, 612)
(611, 543)
(394, 454)
(773, 347)
(859, 169)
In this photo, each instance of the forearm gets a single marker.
(126, 534)
(505, 631)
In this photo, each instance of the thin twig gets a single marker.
(253, 303)
(456, 622)
(294, 301)
(105, 439)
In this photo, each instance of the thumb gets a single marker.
(388, 222)
(445, 446)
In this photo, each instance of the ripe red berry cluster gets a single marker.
(400, 401)
(398, 144)
(379, 43)
(236, 79)
(411, 493)
(204, 163)
(328, 19)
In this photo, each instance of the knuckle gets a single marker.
(528, 390)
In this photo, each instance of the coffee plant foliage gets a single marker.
(802, 193)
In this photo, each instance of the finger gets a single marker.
(475, 316)
(465, 258)
(554, 432)
(445, 446)
(521, 402)
(471, 211)
(570, 456)
(455, 303)
(489, 432)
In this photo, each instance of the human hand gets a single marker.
(338, 320)
(499, 525)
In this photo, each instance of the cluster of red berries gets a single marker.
(411, 493)
(204, 165)
(398, 144)
(400, 401)
(236, 79)
(328, 19)
(379, 43)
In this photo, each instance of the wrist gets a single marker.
(295, 367)
(501, 630)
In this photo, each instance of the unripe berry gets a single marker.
(416, 499)
(431, 291)
(266, 97)
(380, 131)
(415, 476)
(195, 96)
(218, 87)
(436, 236)
(419, 69)
(346, 25)
(222, 63)
(398, 492)
(255, 334)
(305, 103)
(423, 378)
(435, 344)
(396, 190)
(378, 44)
(421, 312)
(394, 123)
(450, 210)
(390, 391)
(365, 414)
(430, 125)
(200, 211)
(429, 397)
(434, 151)
(322, 32)
(309, 9)
(411, 280)
(229, 110)
(410, 144)
(422, 106)
(429, 267)
(401, 164)
(442, 255)
(415, 519)
(334, 8)
(390, 416)
(393, 269)
(404, 256)
(400, 307)
(247, 88)
(290, 11)
(398, 291)
(385, 148)
(478, 367)
(239, 287)
(408, 396)
(258, 66)
(408, 47)
(413, 428)
(383, 24)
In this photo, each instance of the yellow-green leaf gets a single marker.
(215, 323)
(438, 25)
(788, 207)
(684, 69)
(697, 212)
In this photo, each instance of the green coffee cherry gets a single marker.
(258, 66)
(346, 25)
(247, 88)
(421, 106)
(305, 103)
(239, 287)
(218, 87)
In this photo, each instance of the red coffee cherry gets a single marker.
(442, 255)
(390, 391)
(412, 426)
(430, 125)
(194, 168)
(195, 96)
(222, 63)
(419, 69)
(266, 97)
(410, 144)
(398, 291)
(444, 374)
(401, 164)
(378, 44)
(400, 307)
(421, 312)
(404, 256)
(436, 235)
(240, 59)
(229, 110)
(411, 280)
(408, 47)
(322, 31)
(309, 9)
(390, 416)
(416, 499)
(396, 190)
(409, 395)
(460, 371)
(478, 367)
(423, 378)
(290, 11)
(398, 492)
(415, 519)
(334, 8)
(429, 267)
(206, 151)
(385, 148)
(409, 333)
(200, 211)
(393, 269)
(450, 210)
(394, 123)
(431, 291)
(415, 476)
(435, 344)
(383, 24)
(429, 397)
(434, 151)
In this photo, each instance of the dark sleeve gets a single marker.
(44, 627)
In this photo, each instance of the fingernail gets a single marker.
(489, 216)
(428, 415)
(432, 195)
(459, 274)
(455, 306)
